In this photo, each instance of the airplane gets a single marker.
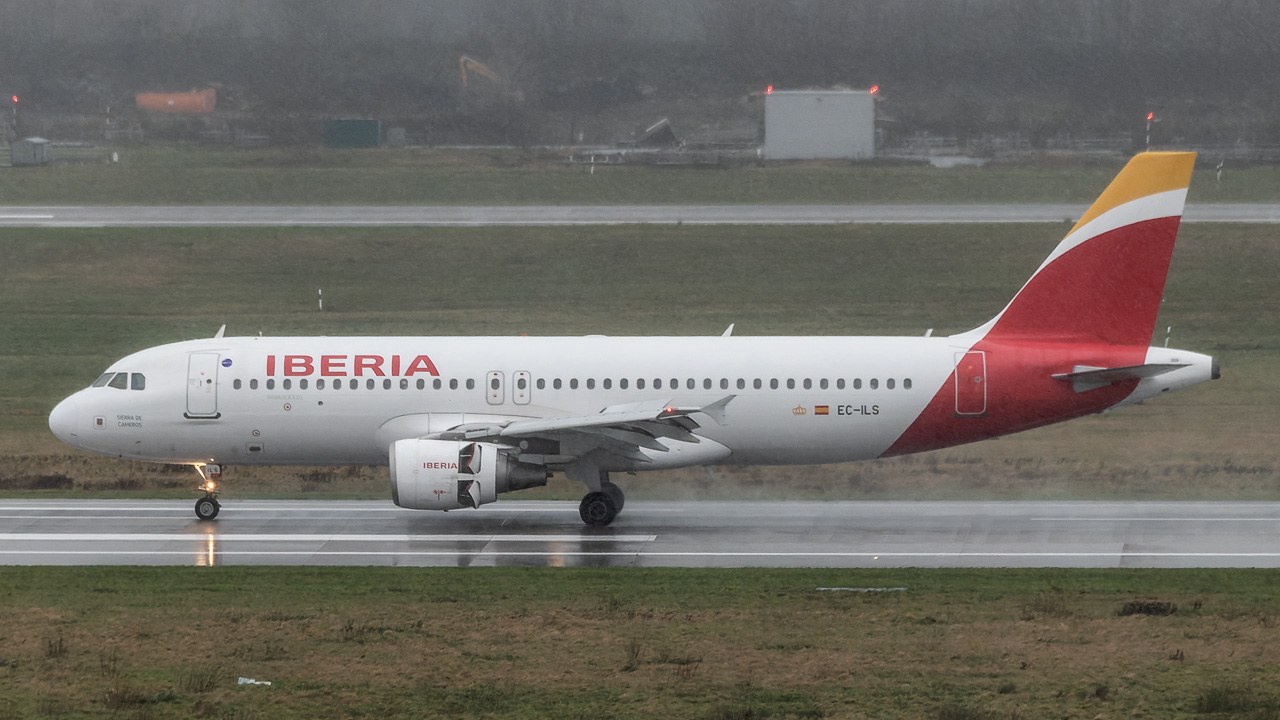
(460, 420)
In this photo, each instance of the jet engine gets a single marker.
(452, 474)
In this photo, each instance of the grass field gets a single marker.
(75, 300)
(189, 176)
(143, 643)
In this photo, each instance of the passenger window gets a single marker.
(906, 383)
(706, 383)
(840, 384)
(555, 384)
(368, 384)
(302, 384)
(471, 384)
(354, 384)
(404, 384)
(320, 384)
(435, 384)
(139, 381)
(271, 384)
(622, 384)
(573, 383)
(286, 384)
(253, 384)
(236, 385)
(542, 384)
(103, 379)
(791, 383)
(742, 384)
(657, 383)
(493, 383)
(822, 384)
(874, 383)
(757, 383)
(607, 384)
(453, 384)
(422, 384)
(639, 383)
(120, 381)
(808, 384)
(675, 384)
(889, 383)
(386, 384)
(724, 383)
(857, 383)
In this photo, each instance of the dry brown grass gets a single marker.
(499, 643)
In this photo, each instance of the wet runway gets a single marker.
(691, 534)
(527, 215)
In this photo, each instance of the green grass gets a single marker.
(184, 176)
(76, 299)
(633, 643)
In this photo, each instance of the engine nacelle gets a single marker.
(452, 474)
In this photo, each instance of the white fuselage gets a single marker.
(335, 401)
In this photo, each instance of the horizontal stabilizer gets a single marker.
(1086, 377)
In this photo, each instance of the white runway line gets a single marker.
(321, 537)
(649, 553)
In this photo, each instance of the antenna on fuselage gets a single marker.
(728, 331)
(220, 331)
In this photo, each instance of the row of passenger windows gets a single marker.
(354, 384)
(122, 381)
(590, 383)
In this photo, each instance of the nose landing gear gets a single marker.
(207, 507)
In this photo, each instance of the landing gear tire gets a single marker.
(615, 494)
(207, 508)
(597, 509)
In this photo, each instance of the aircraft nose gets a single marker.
(62, 421)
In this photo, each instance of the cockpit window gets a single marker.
(120, 381)
(102, 381)
(139, 381)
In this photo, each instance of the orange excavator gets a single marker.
(469, 65)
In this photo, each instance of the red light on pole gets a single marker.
(768, 90)
(1150, 116)
(875, 90)
(15, 99)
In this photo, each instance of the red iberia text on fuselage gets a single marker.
(350, 365)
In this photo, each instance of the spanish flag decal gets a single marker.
(821, 410)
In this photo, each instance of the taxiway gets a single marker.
(493, 215)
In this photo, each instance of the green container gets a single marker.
(352, 133)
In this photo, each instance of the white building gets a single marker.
(820, 124)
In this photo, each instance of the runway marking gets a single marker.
(647, 553)
(320, 537)
(26, 217)
(1155, 519)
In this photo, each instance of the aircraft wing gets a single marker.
(620, 430)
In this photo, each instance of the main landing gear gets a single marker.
(599, 508)
(207, 507)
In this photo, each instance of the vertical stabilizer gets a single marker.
(1104, 281)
